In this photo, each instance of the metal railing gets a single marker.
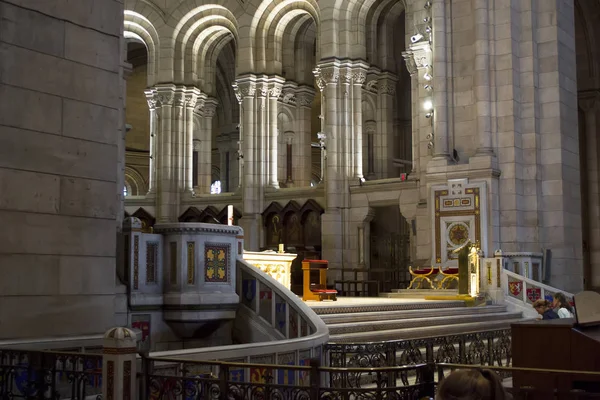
(50, 375)
(483, 348)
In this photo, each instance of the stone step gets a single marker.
(422, 332)
(417, 293)
(386, 305)
(408, 314)
(419, 323)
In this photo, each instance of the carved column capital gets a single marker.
(197, 144)
(289, 137)
(386, 84)
(210, 107)
(152, 99)
(192, 96)
(326, 75)
(244, 87)
(305, 96)
(276, 84)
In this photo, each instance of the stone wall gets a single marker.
(60, 82)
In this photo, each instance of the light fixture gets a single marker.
(427, 87)
(428, 105)
(427, 5)
(428, 29)
(426, 20)
(429, 114)
(427, 77)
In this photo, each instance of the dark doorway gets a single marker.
(390, 249)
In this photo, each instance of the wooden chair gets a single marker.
(313, 290)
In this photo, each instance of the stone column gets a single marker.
(302, 150)
(205, 154)
(119, 364)
(359, 76)
(152, 100)
(192, 99)
(481, 77)
(245, 88)
(223, 145)
(164, 162)
(440, 93)
(275, 86)
(384, 140)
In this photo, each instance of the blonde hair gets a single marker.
(472, 384)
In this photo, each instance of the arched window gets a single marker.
(215, 188)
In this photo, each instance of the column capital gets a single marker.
(210, 107)
(152, 99)
(275, 86)
(197, 144)
(193, 95)
(326, 75)
(304, 96)
(245, 86)
(288, 136)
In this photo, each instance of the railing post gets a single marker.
(315, 378)
(119, 364)
(429, 380)
(223, 379)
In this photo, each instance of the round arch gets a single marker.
(136, 26)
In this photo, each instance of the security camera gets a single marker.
(416, 38)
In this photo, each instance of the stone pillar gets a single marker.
(152, 100)
(384, 139)
(172, 145)
(359, 76)
(481, 77)
(205, 137)
(275, 86)
(245, 88)
(440, 93)
(302, 149)
(119, 364)
(192, 98)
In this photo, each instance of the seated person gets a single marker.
(562, 306)
(544, 308)
(472, 384)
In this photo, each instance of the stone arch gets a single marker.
(137, 27)
(204, 28)
(586, 39)
(135, 182)
(347, 20)
(267, 30)
(380, 34)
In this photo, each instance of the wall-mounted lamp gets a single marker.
(361, 180)
(427, 76)
(426, 20)
(428, 29)
(427, 87)
(429, 114)
(427, 5)
(428, 105)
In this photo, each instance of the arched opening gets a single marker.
(137, 140)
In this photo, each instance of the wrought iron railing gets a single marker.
(50, 375)
(175, 378)
(482, 348)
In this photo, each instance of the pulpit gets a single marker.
(315, 281)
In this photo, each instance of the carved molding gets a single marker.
(244, 89)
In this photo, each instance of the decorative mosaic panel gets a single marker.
(286, 376)
(191, 263)
(151, 261)
(457, 218)
(293, 321)
(217, 257)
(249, 293)
(280, 320)
(143, 323)
(261, 374)
(266, 302)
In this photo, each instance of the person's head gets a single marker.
(471, 384)
(560, 301)
(541, 306)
